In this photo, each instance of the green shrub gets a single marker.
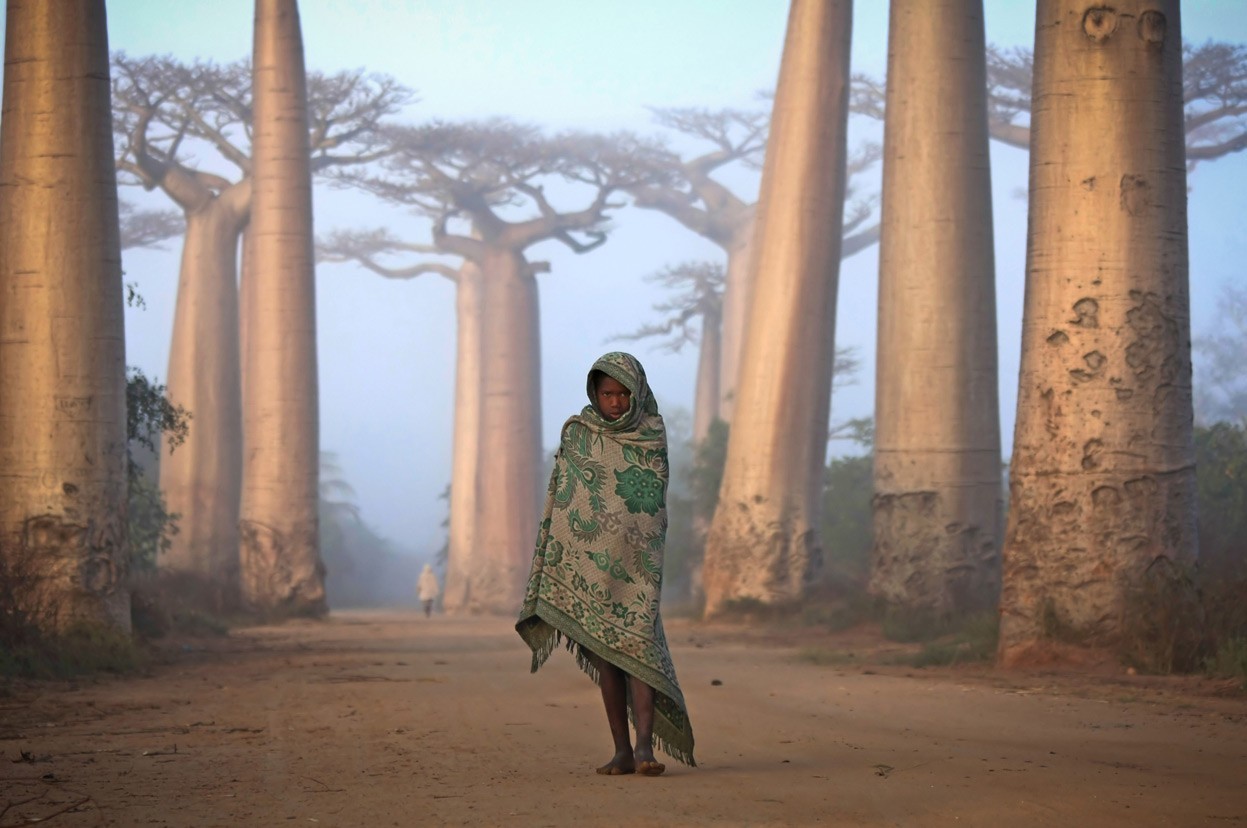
(971, 638)
(84, 647)
(1229, 660)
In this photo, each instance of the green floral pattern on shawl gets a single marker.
(597, 567)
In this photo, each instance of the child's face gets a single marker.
(612, 398)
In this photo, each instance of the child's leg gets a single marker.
(643, 711)
(615, 699)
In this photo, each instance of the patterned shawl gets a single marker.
(597, 568)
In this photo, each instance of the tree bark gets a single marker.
(763, 542)
(707, 400)
(280, 557)
(508, 488)
(246, 308)
(62, 336)
(737, 288)
(202, 479)
(1102, 477)
(465, 450)
(937, 502)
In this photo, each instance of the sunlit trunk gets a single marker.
(280, 558)
(763, 542)
(1102, 476)
(737, 286)
(937, 504)
(246, 308)
(201, 479)
(62, 338)
(465, 449)
(706, 399)
(509, 465)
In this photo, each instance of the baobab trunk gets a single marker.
(280, 556)
(63, 547)
(246, 309)
(937, 502)
(201, 479)
(763, 543)
(706, 399)
(465, 449)
(1102, 478)
(507, 477)
(737, 285)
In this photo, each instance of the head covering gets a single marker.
(597, 568)
(628, 372)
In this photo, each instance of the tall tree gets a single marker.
(492, 177)
(763, 543)
(1214, 96)
(62, 336)
(371, 249)
(937, 506)
(279, 553)
(165, 113)
(1102, 476)
(693, 316)
(697, 196)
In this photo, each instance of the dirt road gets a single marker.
(379, 719)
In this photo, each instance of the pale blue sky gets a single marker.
(386, 349)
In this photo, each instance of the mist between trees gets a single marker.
(250, 515)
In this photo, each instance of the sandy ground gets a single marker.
(379, 719)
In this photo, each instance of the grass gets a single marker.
(1229, 660)
(971, 638)
(85, 647)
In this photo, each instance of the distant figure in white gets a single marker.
(428, 589)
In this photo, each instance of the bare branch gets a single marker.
(366, 247)
(148, 228)
(698, 292)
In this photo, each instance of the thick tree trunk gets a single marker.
(1102, 476)
(280, 558)
(246, 309)
(63, 548)
(465, 462)
(937, 503)
(507, 484)
(201, 480)
(763, 542)
(737, 288)
(706, 400)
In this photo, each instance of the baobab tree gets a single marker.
(62, 338)
(372, 250)
(693, 316)
(1215, 124)
(937, 503)
(279, 552)
(490, 179)
(1102, 477)
(166, 112)
(697, 197)
(1214, 96)
(763, 543)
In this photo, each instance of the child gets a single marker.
(597, 569)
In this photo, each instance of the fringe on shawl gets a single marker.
(543, 637)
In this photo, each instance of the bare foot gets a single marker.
(646, 764)
(619, 765)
